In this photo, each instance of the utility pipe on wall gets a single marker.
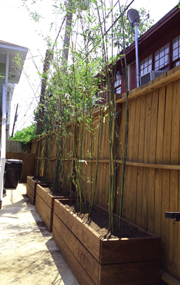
(137, 55)
(3, 131)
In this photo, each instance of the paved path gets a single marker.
(28, 254)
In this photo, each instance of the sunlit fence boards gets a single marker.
(152, 184)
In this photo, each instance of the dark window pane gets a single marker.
(161, 52)
(175, 43)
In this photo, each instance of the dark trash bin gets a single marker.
(12, 173)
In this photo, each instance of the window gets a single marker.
(161, 58)
(117, 86)
(176, 51)
(146, 66)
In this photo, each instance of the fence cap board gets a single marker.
(155, 85)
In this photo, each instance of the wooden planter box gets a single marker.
(45, 204)
(96, 261)
(31, 188)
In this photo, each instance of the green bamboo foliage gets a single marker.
(72, 91)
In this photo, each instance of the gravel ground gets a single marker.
(28, 254)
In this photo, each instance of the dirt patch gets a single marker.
(99, 221)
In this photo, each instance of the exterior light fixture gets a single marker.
(133, 17)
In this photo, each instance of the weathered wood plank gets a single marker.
(88, 262)
(149, 165)
(75, 266)
(145, 182)
(158, 159)
(130, 250)
(30, 181)
(151, 198)
(169, 279)
(141, 159)
(44, 193)
(155, 121)
(178, 246)
(152, 159)
(122, 127)
(174, 187)
(161, 83)
(42, 206)
(128, 185)
(30, 193)
(42, 213)
(135, 176)
(134, 155)
(87, 236)
(131, 273)
(166, 177)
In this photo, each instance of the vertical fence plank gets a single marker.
(131, 183)
(135, 195)
(152, 159)
(178, 237)
(128, 184)
(122, 132)
(173, 254)
(142, 123)
(146, 160)
(166, 177)
(159, 156)
(122, 129)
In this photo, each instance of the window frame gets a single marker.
(166, 63)
(118, 85)
(175, 62)
(148, 65)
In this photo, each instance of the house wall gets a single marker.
(153, 40)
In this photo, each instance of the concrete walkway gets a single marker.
(28, 254)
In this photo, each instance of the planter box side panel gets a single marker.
(130, 250)
(30, 191)
(85, 234)
(44, 211)
(31, 182)
(131, 273)
(87, 261)
(78, 238)
(45, 195)
(82, 277)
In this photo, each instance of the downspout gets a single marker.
(136, 24)
(129, 77)
(3, 131)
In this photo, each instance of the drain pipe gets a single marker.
(3, 131)
(133, 16)
(136, 24)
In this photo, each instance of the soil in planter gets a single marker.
(41, 181)
(60, 192)
(99, 221)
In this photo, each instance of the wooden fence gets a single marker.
(28, 163)
(152, 184)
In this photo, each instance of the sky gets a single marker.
(17, 27)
